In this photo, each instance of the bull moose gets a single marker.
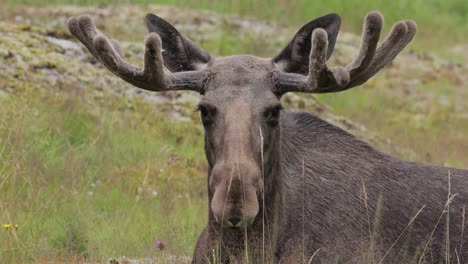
(287, 186)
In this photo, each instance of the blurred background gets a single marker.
(92, 168)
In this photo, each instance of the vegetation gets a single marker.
(78, 189)
(92, 169)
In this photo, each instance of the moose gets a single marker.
(288, 187)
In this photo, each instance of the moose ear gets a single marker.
(294, 57)
(179, 53)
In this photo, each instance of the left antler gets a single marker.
(151, 77)
(366, 64)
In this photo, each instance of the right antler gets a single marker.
(152, 77)
(367, 63)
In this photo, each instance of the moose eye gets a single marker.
(275, 112)
(206, 114)
(272, 115)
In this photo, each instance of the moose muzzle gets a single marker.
(236, 190)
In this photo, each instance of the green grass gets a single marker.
(441, 23)
(76, 188)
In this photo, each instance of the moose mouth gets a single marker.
(232, 222)
(236, 222)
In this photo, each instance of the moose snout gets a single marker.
(235, 187)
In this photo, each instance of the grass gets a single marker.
(75, 188)
(78, 189)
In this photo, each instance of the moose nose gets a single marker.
(234, 220)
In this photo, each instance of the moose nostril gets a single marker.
(234, 220)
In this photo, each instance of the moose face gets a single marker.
(240, 105)
(240, 114)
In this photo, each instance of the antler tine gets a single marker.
(151, 77)
(366, 64)
(370, 37)
(401, 34)
(116, 64)
(319, 73)
(75, 29)
(319, 77)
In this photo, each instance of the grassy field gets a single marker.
(77, 188)
(88, 171)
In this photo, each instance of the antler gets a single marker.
(151, 77)
(366, 64)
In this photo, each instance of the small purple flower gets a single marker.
(159, 244)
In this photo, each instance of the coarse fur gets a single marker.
(348, 187)
(288, 187)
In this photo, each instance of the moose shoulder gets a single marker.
(288, 187)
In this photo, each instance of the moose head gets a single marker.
(240, 104)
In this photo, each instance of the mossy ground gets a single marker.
(91, 168)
